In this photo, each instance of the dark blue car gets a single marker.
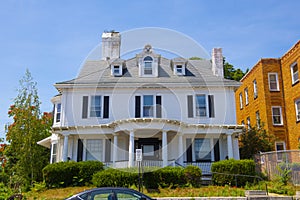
(110, 193)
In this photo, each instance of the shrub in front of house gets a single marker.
(152, 179)
(193, 175)
(233, 172)
(65, 174)
(115, 178)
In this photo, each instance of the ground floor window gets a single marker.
(54, 153)
(280, 146)
(202, 149)
(94, 150)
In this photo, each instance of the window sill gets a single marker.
(274, 90)
(295, 83)
(297, 121)
(278, 125)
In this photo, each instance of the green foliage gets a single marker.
(225, 171)
(25, 158)
(231, 73)
(5, 191)
(195, 58)
(65, 174)
(255, 140)
(193, 175)
(167, 177)
(114, 178)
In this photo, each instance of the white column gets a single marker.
(115, 152)
(164, 149)
(212, 152)
(236, 148)
(84, 150)
(180, 148)
(131, 149)
(229, 145)
(65, 148)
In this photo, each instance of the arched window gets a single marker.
(148, 65)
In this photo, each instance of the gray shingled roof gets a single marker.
(198, 74)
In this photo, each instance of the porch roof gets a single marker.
(135, 121)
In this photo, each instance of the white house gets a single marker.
(176, 110)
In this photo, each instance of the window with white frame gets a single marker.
(273, 82)
(241, 101)
(294, 73)
(297, 108)
(58, 112)
(95, 108)
(148, 65)
(246, 96)
(116, 70)
(280, 147)
(179, 70)
(277, 115)
(255, 94)
(94, 149)
(148, 106)
(202, 149)
(201, 105)
(54, 153)
(257, 119)
(248, 123)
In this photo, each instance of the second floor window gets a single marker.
(148, 106)
(297, 105)
(200, 106)
(255, 94)
(58, 112)
(295, 73)
(148, 65)
(95, 108)
(241, 101)
(246, 96)
(273, 82)
(276, 115)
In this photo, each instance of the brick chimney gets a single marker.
(111, 43)
(217, 62)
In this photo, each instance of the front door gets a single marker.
(150, 148)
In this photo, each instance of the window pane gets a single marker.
(93, 150)
(202, 149)
(276, 115)
(148, 150)
(200, 105)
(148, 106)
(95, 110)
(127, 196)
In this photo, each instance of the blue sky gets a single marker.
(52, 38)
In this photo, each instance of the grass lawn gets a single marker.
(62, 193)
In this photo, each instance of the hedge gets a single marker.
(71, 173)
(152, 179)
(233, 172)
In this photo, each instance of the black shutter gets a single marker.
(85, 103)
(137, 106)
(190, 106)
(189, 151)
(158, 106)
(79, 150)
(211, 106)
(106, 107)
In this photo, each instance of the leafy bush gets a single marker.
(114, 178)
(193, 175)
(65, 174)
(233, 172)
(170, 177)
(5, 192)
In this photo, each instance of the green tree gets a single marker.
(231, 73)
(26, 158)
(255, 140)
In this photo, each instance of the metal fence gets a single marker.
(275, 164)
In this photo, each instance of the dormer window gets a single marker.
(178, 66)
(148, 65)
(179, 70)
(117, 70)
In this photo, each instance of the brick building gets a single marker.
(270, 94)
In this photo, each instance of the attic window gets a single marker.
(148, 65)
(179, 69)
(116, 70)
